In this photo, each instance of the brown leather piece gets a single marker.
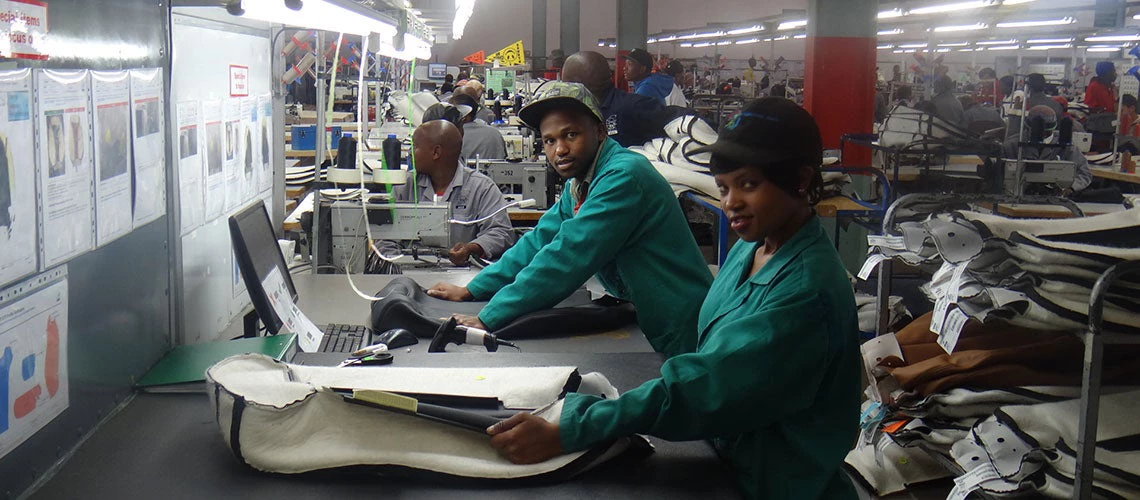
(999, 355)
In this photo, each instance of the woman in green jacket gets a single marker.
(774, 382)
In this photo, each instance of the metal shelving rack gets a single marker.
(1094, 338)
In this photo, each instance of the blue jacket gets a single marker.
(656, 85)
(633, 119)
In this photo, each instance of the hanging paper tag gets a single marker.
(952, 329)
(956, 282)
(872, 262)
(941, 306)
(885, 241)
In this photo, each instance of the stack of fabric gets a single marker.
(989, 379)
(672, 155)
(301, 176)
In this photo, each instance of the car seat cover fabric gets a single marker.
(282, 418)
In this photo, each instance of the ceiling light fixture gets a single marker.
(893, 31)
(342, 16)
(1049, 47)
(885, 47)
(996, 42)
(1015, 2)
(950, 7)
(747, 41)
(1029, 24)
(890, 14)
(954, 44)
(1004, 47)
(961, 27)
(745, 31)
(787, 25)
(1048, 40)
(913, 45)
(1102, 48)
(702, 44)
(686, 44)
(1113, 38)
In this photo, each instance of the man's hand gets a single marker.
(526, 439)
(470, 321)
(447, 291)
(461, 251)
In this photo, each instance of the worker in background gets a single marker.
(630, 119)
(638, 71)
(475, 89)
(896, 74)
(1099, 96)
(479, 139)
(1128, 125)
(980, 118)
(1049, 120)
(448, 84)
(989, 89)
(774, 383)
(617, 219)
(676, 97)
(1035, 83)
(440, 177)
(946, 105)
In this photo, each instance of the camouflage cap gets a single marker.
(559, 95)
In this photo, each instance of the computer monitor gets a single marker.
(258, 253)
(436, 71)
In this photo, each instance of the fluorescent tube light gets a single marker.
(1102, 49)
(725, 42)
(961, 27)
(1030, 24)
(800, 36)
(747, 41)
(913, 45)
(950, 7)
(686, 44)
(893, 31)
(1048, 47)
(338, 17)
(787, 25)
(702, 44)
(954, 44)
(996, 42)
(885, 47)
(1113, 38)
(1015, 2)
(709, 34)
(781, 37)
(745, 31)
(904, 51)
(1004, 47)
(669, 38)
(1049, 40)
(890, 14)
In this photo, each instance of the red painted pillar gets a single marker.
(839, 76)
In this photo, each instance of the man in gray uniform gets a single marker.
(479, 139)
(472, 195)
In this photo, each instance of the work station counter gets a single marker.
(169, 445)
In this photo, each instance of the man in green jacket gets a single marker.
(617, 219)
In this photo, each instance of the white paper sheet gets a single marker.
(149, 125)
(215, 159)
(110, 92)
(232, 122)
(191, 197)
(67, 200)
(308, 335)
(17, 177)
(33, 363)
(264, 134)
(250, 159)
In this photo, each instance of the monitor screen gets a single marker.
(257, 253)
(436, 71)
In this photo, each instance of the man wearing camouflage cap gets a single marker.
(617, 219)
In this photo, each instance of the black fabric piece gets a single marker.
(1121, 444)
(235, 427)
(407, 305)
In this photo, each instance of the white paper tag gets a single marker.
(941, 306)
(952, 329)
(872, 261)
(958, 493)
(980, 474)
(308, 335)
(891, 242)
(956, 282)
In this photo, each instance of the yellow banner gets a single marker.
(511, 55)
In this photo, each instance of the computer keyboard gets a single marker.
(343, 338)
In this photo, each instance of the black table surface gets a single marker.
(169, 446)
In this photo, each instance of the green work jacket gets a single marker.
(630, 232)
(774, 382)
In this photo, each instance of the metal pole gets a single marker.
(570, 26)
(319, 154)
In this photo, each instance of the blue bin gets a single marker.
(304, 137)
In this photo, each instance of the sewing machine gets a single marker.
(1019, 175)
(424, 224)
(522, 180)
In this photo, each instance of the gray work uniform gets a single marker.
(483, 141)
(472, 195)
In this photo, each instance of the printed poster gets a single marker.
(191, 190)
(250, 156)
(17, 177)
(66, 204)
(110, 91)
(235, 190)
(215, 172)
(33, 362)
(265, 129)
(149, 135)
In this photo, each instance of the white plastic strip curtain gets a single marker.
(1029, 272)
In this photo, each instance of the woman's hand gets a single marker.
(526, 439)
(447, 291)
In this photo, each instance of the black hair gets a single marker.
(785, 175)
(1128, 100)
